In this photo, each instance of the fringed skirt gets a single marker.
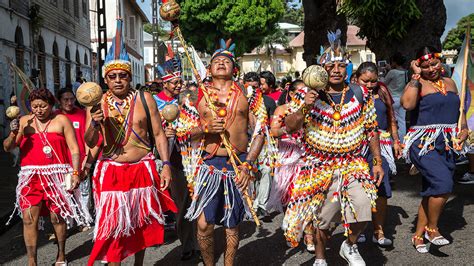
(430, 149)
(129, 209)
(285, 171)
(45, 183)
(216, 195)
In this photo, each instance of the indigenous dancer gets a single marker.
(289, 165)
(432, 140)
(217, 164)
(45, 139)
(335, 180)
(264, 178)
(367, 75)
(170, 73)
(129, 203)
(77, 117)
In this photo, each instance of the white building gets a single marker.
(134, 18)
(50, 36)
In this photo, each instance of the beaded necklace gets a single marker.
(337, 107)
(119, 128)
(440, 86)
(47, 149)
(114, 106)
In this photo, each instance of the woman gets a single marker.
(432, 140)
(290, 151)
(44, 140)
(367, 75)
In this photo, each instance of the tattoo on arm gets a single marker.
(75, 161)
(255, 148)
(415, 83)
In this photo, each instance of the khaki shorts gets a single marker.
(331, 211)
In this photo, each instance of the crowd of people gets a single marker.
(238, 149)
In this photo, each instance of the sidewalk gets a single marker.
(8, 182)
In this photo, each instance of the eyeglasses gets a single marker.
(120, 75)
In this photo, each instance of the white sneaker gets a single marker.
(320, 262)
(351, 254)
(466, 179)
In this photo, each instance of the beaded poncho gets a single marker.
(330, 146)
(197, 173)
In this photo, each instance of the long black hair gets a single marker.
(366, 67)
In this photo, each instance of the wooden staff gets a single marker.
(462, 114)
(224, 138)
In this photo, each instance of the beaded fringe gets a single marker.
(69, 205)
(428, 135)
(206, 185)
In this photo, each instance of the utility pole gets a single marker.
(156, 42)
(102, 40)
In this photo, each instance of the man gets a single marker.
(335, 181)
(170, 73)
(263, 184)
(268, 84)
(77, 117)
(79, 81)
(130, 196)
(222, 172)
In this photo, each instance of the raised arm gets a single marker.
(295, 120)
(16, 132)
(276, 127)
(94, 117)
(411, 93)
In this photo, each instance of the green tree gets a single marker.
(389, 25)
(294, 14)
(148, 28)
(455, 36)
(277, 37)
(247, 22)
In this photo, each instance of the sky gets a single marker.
(455, 9)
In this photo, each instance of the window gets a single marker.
(76, 8)
(56, 67)
(86, 60)
(66, 5)
(53, 2)
(256, 64)
(368, 57)
(85, 10)
(131, 27)
(279, 65)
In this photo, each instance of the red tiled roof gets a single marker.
(298, 41)
(352, 38)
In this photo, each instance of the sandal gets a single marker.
(310, 247)
(437, 240)
(421, 248)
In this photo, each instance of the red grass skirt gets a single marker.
(129, 209)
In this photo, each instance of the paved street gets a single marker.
(266, 246)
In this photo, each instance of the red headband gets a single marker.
(429, 56)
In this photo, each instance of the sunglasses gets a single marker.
(120, 75)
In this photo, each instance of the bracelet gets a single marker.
(166, 163)
(75, 172)
(206, 129)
